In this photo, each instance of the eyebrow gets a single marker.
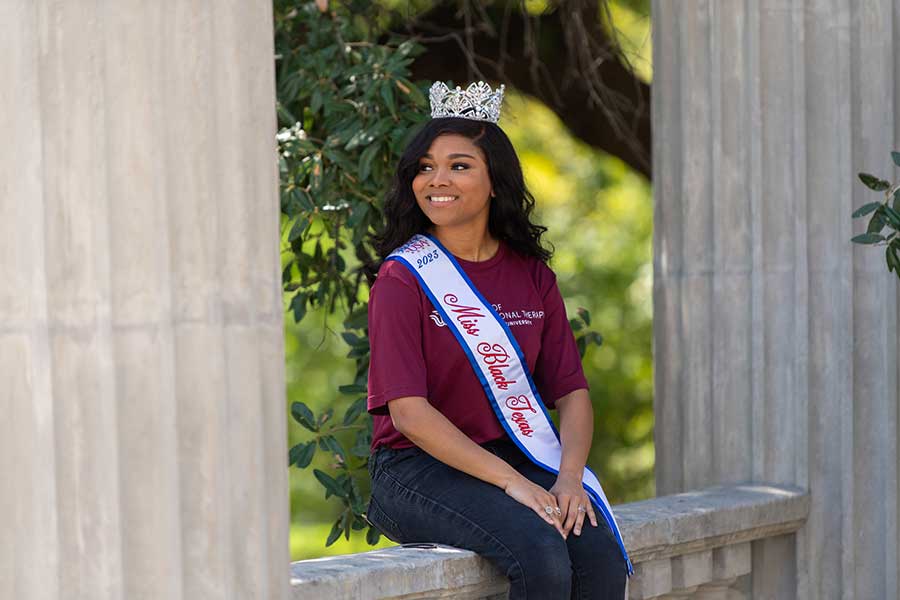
(456, 155)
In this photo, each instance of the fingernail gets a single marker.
(577, 532)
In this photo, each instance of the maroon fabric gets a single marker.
(412, 355)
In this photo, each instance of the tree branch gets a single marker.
(563, 57)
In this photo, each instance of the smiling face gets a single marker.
(453, 185)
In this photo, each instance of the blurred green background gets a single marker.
(599, 215)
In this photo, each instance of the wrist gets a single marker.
(509, 478)
(571, 472)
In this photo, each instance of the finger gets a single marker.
(562, 501)
(551, 501)
(572, 514)
(539, 507)
(579, 520)
(591, 515)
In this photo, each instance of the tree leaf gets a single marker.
(316, 102)
(304, 416)
(387, 94)
(366, 158)
(585, 316)
(299, 227)
(345, 524)
(896, 157)
(333, 446)
(353, 389)
(336, 532)
(373, 535)
(867, 238)
(877, 223)
(865, 209)
(302, 454)
(298, 306)
(354, 410)
(892, 216)
(358, 318)
(332, 487)
(874, 183)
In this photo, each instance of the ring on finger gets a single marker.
(557, 510)
(548, 509)
(582, 509)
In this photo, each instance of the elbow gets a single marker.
(398, 422)
(403, 412)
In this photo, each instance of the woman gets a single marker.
(445, 467)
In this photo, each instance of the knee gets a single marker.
(547, 569)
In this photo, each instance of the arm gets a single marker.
(431, 431)
(576, 428)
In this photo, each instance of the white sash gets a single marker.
(497, 360)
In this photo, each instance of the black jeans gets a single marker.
(417, 498)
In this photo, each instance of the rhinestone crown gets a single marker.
(478, 101)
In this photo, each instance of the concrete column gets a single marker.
(775, 343)
(143, 440)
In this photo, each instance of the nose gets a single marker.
(440, 177)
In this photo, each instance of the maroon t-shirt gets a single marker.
(415, 354)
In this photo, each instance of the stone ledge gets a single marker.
(688, 525)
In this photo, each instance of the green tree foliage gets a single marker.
(885, 214)
(346, 109)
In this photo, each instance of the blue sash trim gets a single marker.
(489, 392)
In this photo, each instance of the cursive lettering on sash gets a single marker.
(466, 315)
(522, 422)
(519, 403)
(496, 358)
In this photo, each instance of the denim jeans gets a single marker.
(417, 498)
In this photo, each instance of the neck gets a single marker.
(467, 245)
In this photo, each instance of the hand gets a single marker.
(536, 498)
(570, 494)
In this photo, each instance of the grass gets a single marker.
(308, 541)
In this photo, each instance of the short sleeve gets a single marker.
(397, 362)
(558, 369)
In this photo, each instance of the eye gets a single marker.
(454, 166)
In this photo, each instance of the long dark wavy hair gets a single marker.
(509, 217)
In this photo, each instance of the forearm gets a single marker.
(428, 429)
(576, 431)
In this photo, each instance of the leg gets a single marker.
(420, 499)
(597, 564)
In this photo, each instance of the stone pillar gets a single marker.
(775, 343)
(143, 436)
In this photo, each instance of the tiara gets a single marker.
(478, 101)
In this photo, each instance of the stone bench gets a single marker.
(679, 544)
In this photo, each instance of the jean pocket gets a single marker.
(376, 517)
(408, 465)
